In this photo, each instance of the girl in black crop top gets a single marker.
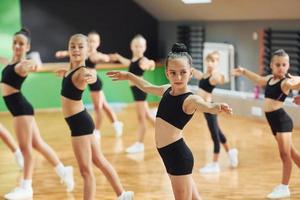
(207, 82)
(97, 95)
(137, 65)
(85, 146)
(277, 88)
(176, 108)
(25, 125)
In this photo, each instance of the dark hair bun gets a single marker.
(179, 48)
(25, 31)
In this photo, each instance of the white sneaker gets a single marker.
(19, 193)
(211, 168)
(233, 157)
(137, 147)
(68, 178)
(118, 126)
(19, 159)
(280, 191)
(126, 196)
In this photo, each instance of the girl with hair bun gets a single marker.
(175, 109)
(277, 87)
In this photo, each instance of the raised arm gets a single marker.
(293, 82)
(197, 74)
(119, 58)
(62, 54)
(99, 57)
(217, 78)
(195, 103)
(137, 81)
(25, 67)
(147, 64)
(85, 76)
(260, 80)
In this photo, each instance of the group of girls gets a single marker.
(176, 108)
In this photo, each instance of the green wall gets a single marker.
(42, 89)
(10, 22)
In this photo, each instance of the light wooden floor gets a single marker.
(259, 170)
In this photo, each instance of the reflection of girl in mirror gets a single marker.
(207, 82)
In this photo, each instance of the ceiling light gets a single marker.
(196, 1)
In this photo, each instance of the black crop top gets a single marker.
(170, 109)
(90, 64)
(274, 91)
(68, 89)
(135, 68)
(205, 85)
(11, 78)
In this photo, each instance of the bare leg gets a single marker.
(7, 138)
(83, 153)
(107, 169)
(98, 105)
(141, 112)
(182, 187)
(107, 109)
(149, 117)
(42, 147)
(23, 126)
(284, 145)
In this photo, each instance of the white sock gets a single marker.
(97, 132)
(60, 169)
(18, 152)
(26, 183)
(284, 186)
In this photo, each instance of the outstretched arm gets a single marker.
(137, 81)
(99, 57)
(260, 80)
(195, 103)
(25, 67)
(121, 59)
(293, 82)
(62, 54)
(197, 74)
(147, 64)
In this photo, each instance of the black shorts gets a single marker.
(18, 105)
(97, 86)
(178, 158)
(279, 121)
(138, 94)
(80, 124)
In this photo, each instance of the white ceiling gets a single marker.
(174, 10)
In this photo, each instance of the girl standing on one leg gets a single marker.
(25, 126)
(85, 146)
(277, 88)
(207, 83)
(175, 109)
(138, 65)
